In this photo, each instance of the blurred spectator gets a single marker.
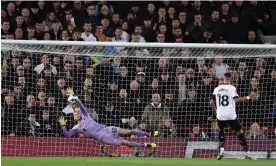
(207, 37)
(49, 20)
(69, 19)
(255, 86)
(30, 101)
(41, 96)
(101, 4)
(260, 65)
(45, 61)
(115, 20)
(196, 28)
(87, 35)
(118, 38)
(138, 30)
(18, 34)
(20, 22)
(151, 11)
(167, 129)
(10, 10)
(197, 133)
(215, 24)
(48, 126)
(214, 132)
(10, 115)
(91, 16)
(79, 68)
(19, 97)
(47, 36)
(124, 77)
(154, 87)
(107, 29)
(109, 116)
(236, 31)
(5, 29)
(30, 32)
(26, 15)
(255, 132)
(36, 13)
(220, 67)
(182, 88)
(55, 31)
(155, 112)
(160, 38)
(123, 102)
(147, 30)
(30, 126)
(271, 87)
(225, 13)
(243, 73)
(99, 33)
(3, 15)
(252, 38)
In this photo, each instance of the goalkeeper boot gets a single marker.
(249, 156)
(154, 134)
(151, 145)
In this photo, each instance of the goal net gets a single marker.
(149, 86)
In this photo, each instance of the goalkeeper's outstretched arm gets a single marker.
(75, 99)
(70, 133)
(82, 108)
(66, 133)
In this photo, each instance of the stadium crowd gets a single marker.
(170, 95)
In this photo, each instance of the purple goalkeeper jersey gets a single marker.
(87, 126)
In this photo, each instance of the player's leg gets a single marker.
(135, 144)
(137, 132)
(236, 126)
(221, 125)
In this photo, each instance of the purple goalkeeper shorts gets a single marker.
(111, 136)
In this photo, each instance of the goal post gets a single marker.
(149, 86)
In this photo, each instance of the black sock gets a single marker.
(243, 142)
(221, 138)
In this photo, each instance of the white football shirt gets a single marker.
(91, 37)
(226, 107)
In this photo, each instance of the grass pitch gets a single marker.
(38, 161)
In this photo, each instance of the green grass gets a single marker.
(35, 161)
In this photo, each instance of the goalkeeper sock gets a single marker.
(134, 144)
(243, 142)
(140, 133)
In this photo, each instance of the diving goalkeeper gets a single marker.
(90, 129)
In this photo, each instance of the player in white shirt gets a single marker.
(223, 104)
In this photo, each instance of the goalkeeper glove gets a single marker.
(73, 99)
(62, 121)
(69, 92)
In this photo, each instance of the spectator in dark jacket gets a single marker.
(215, 24)
(235, 30)
(30, 126)
(91, 17)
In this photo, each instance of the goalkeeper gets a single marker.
(90, 129)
